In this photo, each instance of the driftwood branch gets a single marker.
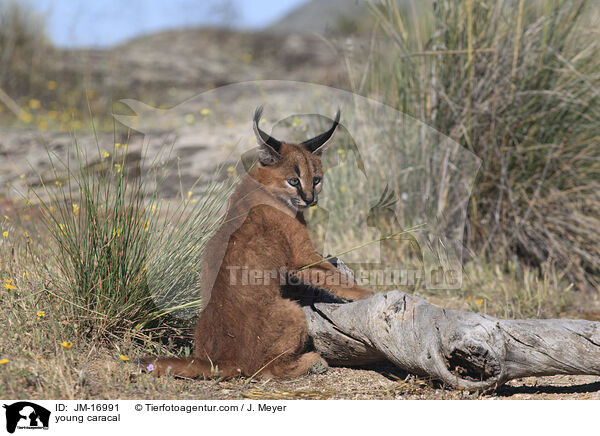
(463, 349)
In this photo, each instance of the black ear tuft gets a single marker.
(317, 144)
(269, 148)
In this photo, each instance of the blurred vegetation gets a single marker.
(40, 89)
(22, 44)
(30, 95)
(518, 84)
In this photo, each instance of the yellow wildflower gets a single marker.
(205, 112)
(247, 58)
(51, 85)
(75, 209)
(26, 117)
(118, 168)
(6, 217)
(4, 361)
(5, 234)
(124, 358)
(34, 103)
(41, 313)
(8, 285)
(105, 154)
(342, 189)
(66, 344)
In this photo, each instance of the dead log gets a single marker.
(463, 349)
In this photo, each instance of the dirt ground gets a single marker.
(383, 382)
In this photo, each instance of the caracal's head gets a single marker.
(292, 173)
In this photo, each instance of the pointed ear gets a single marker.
(268, 147)
(318, 144)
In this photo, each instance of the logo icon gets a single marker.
(26, 415)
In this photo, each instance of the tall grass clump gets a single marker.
(518, 84)
(126, 257)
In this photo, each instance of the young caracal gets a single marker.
(245, 328)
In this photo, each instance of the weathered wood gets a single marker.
(463, 349)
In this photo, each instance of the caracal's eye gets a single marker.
(316, 181)
(294, 181)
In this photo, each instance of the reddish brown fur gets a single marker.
(250, 329)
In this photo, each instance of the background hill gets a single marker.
(329, 16)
